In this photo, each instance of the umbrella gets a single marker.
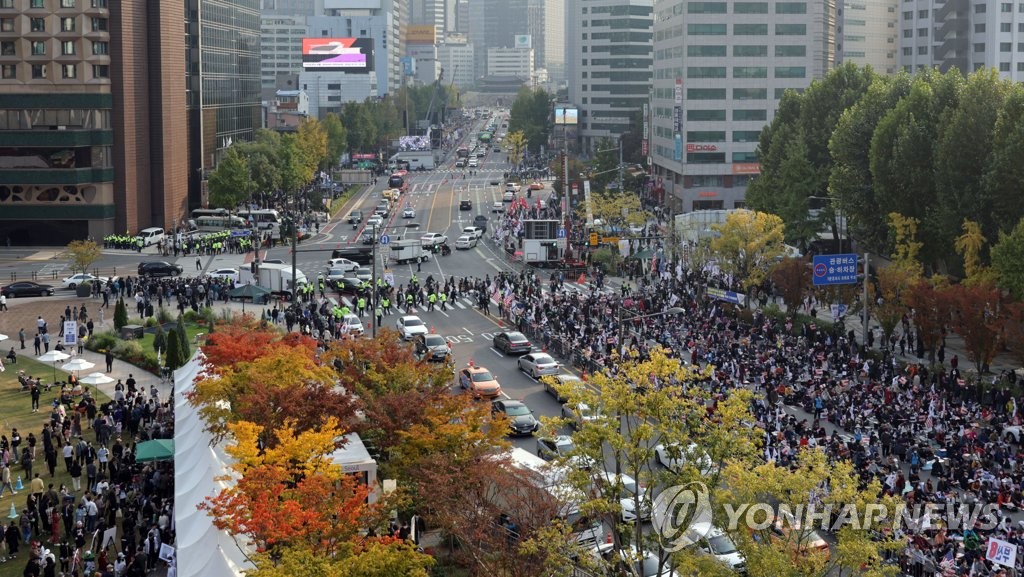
(155, 450)
(96, 379)
(78, 364)
(248, 291)
(52, 357)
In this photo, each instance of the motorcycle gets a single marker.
(442, 249)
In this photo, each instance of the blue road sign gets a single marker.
(561, 233)
(830, 269)
(384, 240)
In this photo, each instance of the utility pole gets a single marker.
(371, 302)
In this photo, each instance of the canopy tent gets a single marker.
(202, 548)
(155, 450)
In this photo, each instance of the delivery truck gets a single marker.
(275, 277)
(407, 250)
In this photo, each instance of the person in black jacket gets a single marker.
(13, 536)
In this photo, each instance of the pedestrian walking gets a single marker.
(108, 356)
(38, 342)
(21, 337)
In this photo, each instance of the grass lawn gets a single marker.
(16, 412)
(191, 330)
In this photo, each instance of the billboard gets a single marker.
(337, 54)
(420, 34)
(523, 41)
(409, 143)
(566, 115)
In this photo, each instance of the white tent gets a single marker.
(202, 549)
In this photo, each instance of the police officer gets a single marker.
(443, 298)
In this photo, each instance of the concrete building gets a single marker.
(495, 24)
(428, 63)
(609, 65)
(963, 34)
(286, 111)
(280, 47)
(513, 62)
(867, 33)
(329, 91)
(429, 12)
(91, 102)
(550, 49)
(718, 77)
(456, 57)
(382, 20)
(222, 47)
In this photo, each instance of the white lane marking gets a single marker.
(460, 305)
(495, 351)
(467, 330)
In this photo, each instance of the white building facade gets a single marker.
(516, 62)
(867, 34)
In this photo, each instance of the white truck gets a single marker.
(276, 277)
(407, 250)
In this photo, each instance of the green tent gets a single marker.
(155, 450)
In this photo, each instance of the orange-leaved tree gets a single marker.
(792, 278)
(930, 300)
(291, 495)
(244, 339)
(284, 382)
(978, 317)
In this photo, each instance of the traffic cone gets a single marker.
(14, 512)
(18, 486)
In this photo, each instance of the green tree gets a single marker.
(604, 168)
(120, 314)
(1004, 176)
(748, 245)
(231, 182)
(82, 254)
(159, 339)
(337, 138)
(174, 358)
(530, 114)
(179, 329)
(1007, 256)
(362, 134)
(264, 160)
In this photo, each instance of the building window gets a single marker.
(1004, 66)
(705, 72)
(99, 3)
(67, 24)
(706, 29)
(1020, 27)
(908, 15)
(908, 33)
(100, 48)
(1006, 27)
(908, 51)
(100, 71)
(7, 48)
(784, 51)
(99, 24)
(706, 7)
(979, 8)
(1005, 46)
(979, 28)
(750, 29)
(67, 48)
(705, 136)
(1020, 47)
(705, 50)
(37, 25)
(750, 72)
(744, 157)
(979, 47)
(922, 50)
(790, 29)
(749, 93)
(750, 114)
(747, 51)
(922, 32)
(8, 71)
(68, 71)
(6, 24)
(38, 48)
(38, 71)
(6, 3)
(334, 87)
(1020, 67)
(791, 7)
(705, 158)
(708, 204)
(1006, 7)
(746, 135)
(750, 8)
(706, 180)
(37, 4)
(695, 115)
(67, 3)
(790, 72)
(705, 94)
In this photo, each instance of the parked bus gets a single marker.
(397, 180)
(462, 152)
(262, 219)
(219, 223)
(201, 212)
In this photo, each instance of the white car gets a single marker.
(409, 326)
(374, 221)
(73, 281)
(579, 414)
(538, 365)
(719, 545)
(509, 196)
(629, 489)
(364, 273)
(352, 324)
(230, 274)
(465, 242)
(474, 231)
(433, 239)
(409, 212)
(674, 458)
(648, 567)
(498, 206)
(342, 263)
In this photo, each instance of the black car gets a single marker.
(465, 204)
(481, 221)
(367, 238)
(355, 254)
(27, 288)
(510, 342)
(355, 217)
(432, 347)
(159, 268)
(520, 418)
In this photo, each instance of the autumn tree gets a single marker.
(82, 254)
(515, 145)
(893, 280)
(748, 244)
(929, 300)
(1007, 256)
(977, 316)
(1014, 330)
(970, 246)
(792, 279)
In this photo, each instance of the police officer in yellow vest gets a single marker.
(443, 297)
(431, 300)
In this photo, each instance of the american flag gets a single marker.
(509, 298)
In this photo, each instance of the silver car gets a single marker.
(538, 365)
(465, 242)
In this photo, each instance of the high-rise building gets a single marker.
(515, 62)
(428, 12)
(720, 69)
(223, 55)
(550, 48)
(91, 101)
(495, 24)
(867, 34)
(280, 47)
(456, 56)
(963, 34)
(609, 65)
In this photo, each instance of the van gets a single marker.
(152, 235)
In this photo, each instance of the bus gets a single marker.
(219, 223)
(262, 219)
(462, 152)
(484, 136)
(397, 180)
(201, 212)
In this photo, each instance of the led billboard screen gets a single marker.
(566, 116)
(337, 54)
